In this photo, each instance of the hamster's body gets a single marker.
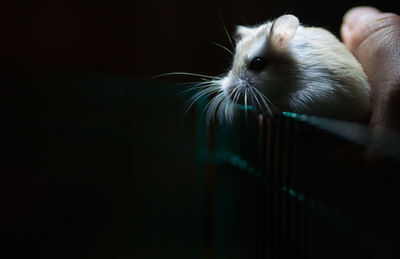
(329, 80)
(284, 66)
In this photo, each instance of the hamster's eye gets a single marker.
(257, 64)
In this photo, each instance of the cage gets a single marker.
(109, 168)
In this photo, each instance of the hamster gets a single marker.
(283, 66)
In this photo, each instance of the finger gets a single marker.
(354, 21)
(356, 15)
(374, 38)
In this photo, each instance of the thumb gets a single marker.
(374, 38)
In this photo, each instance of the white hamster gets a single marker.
(283, 66)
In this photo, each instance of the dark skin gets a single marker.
(374, 38)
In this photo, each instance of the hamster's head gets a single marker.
(283, 66)
(262, 66)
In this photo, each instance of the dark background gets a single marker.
(98, 165)
(142, 38)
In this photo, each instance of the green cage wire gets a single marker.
(110, 168)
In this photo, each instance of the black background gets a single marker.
(142, 38)
(81, 179)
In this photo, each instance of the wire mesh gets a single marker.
(308, 191)
(105, 168)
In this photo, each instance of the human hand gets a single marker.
(374, 38)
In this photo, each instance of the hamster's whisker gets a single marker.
(245, 101)
(226, 106)
(200, 84)
(199, 95)
(233, 93)
(183, 74)
(199, 87)
(209, 109)
(265, 100)
(228, 110)
(213, 106)
(226, 32)
(264, 107)
(203, 89)
(237, 95)
(207, 90)
(223, 47)
(254, 96)
(222, 112)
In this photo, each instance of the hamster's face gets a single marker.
(260, 57)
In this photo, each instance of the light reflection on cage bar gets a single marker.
(302, 187)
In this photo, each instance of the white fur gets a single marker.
(310, 71)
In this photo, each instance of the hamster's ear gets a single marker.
(283, 30)
(241, 32)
